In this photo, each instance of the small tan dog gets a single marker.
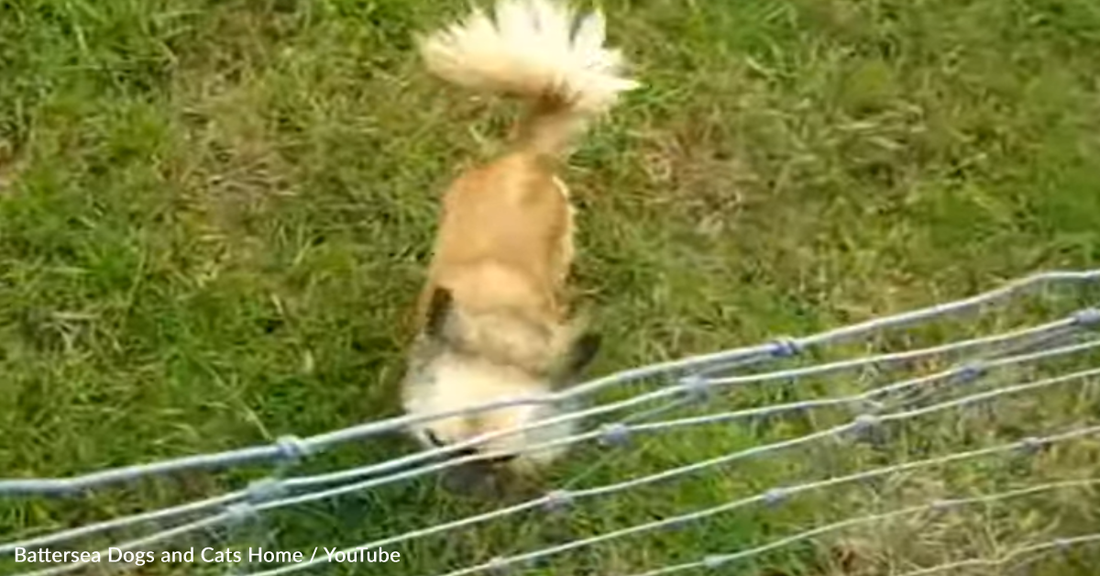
(492, 325)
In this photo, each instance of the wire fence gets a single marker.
(1011, 360)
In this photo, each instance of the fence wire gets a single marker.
(694, 383)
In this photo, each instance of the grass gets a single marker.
(214, 217)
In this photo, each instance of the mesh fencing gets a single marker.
(861, 400)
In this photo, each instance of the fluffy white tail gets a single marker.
(530, 50)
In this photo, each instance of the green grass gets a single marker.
(214, 217)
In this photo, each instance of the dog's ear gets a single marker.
(439, 308)
(581, 353)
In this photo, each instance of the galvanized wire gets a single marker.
(235, 505)
(714, 561)
(291, 448)
(696, 380)
(1062, 544)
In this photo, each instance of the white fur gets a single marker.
(455, 384)
(529, 49)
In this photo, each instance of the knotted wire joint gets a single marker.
(292, 448)
(497, 566)
(943, 505)
(864, 422)
(971, 372)
(695, 387)
(874, 406)
(867, 405)
(264, 489)
(1088, 318)
(861, 428)
(614, 434)
(558, 500)
(785, 347)
(674, 524)
(1032, 445)
(937, 509)
(239, 513)
(775, 496)
(713, 562)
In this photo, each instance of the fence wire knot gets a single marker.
(785, 347)
(861, 429)
(943, 505)
(240, 512)
(971, 372)
(869, 406)
(713, 562)
(265, 489)
(776, 496)
(865, 421)
(292, 448)
(558, 500)
(674, 524)
(695, 387)
(1089, 318)
(615, 434)
(1032, 445)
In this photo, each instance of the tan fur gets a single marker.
(505, 241)
(504, 245)
(503, 250)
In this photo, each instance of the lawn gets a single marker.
(215, 217)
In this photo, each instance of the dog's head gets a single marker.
(464, 360)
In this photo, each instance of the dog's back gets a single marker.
(501, 239)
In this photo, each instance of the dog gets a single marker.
(492, 324)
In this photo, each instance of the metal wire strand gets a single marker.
(292, 448)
